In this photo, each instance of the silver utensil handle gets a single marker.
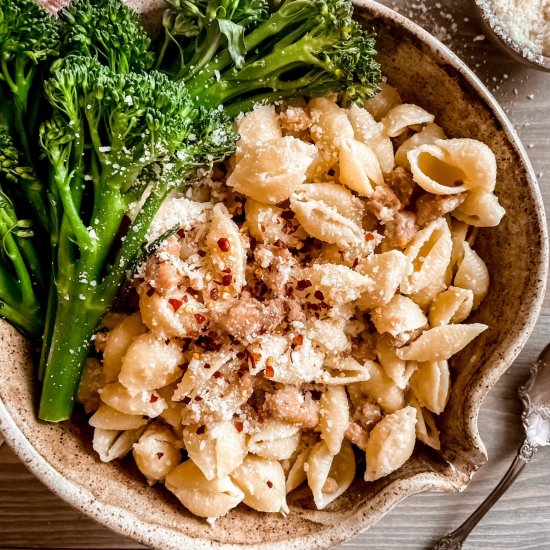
(454, 540)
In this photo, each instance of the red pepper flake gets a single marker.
(287, 215)
(150, 291)
(200, 318)
(185, 298)
(181, 233)
(298, 340)
(289, 290)
(240, 426)
(215, 294)
(269, 372)
(198, 398)
(241, 354)
(262, 227)
(279, 244)
(176, 304)
(202, 253)
(227, 280)
(154, 398)
(217, 374)
(200, 430)
(253, 244)
(186, 400)
(355, 263)
(167, 341)
(369, 237)
(303, 284)
(319, 295)
(227, 270)
(270, 484)
(207, 365)
(160, 455)
(223, 244)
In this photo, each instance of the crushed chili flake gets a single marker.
(167, 341)
(185, 298)
(269, 372)
(200, 318)
(241, 354)
(319, 295)
(226, 270)
(198, 398)
(239, 426)
(186, 400)
(160, 455)
(289, 290)
(200, 430)
(154, 398)
(262, 227)
(175, 303)
(202, 253)
(303, 284)
(270, 484)
(298, 340)
(207, 365)
(150, 291)
(287, 215)
(181, 233)
(217, 374)
(227, 280)
(369, 236)
(223, 244)
(279, 244)
(215, 294)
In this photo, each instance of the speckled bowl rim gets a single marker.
(124, 522)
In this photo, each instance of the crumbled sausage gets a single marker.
(402, 184)
(100, 341)
(367, 414)
(161, 269)
(292, 405)
(357, 435)
(431, 207)
(383, 203)
(400, 230)
(404, 338)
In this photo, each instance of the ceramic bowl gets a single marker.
(428, 74)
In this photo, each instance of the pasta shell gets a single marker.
(430, 384)
(473, 274)
(372, 133)
(204, 498)
(329, 213)
(150, 363)
(144, 402)
(263, 484)
(330, 123)
(391, 443)
(401, 314)
(333, 417)
(451, 306)
(402, 116)
(297, 474)
(359, 167)
(451, 166)
(345, 370)
(108, 418)
(381, 389)
(329, 476)
(429, 254)
(429, 134)
(275, 440)
(480, 209)
(397, 369)
(156, 453)
(379, 105)
(441, 343)
(272, 171)
(113, 444)
(260, 125)
(386, 271)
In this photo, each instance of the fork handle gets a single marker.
(454, 540)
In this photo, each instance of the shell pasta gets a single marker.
(309, 312)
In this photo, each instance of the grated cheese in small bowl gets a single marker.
(522, 27)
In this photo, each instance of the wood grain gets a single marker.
(32, 517)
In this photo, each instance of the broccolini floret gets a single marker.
(107, 30)
(131, 122)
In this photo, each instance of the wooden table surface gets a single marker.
(32, 517)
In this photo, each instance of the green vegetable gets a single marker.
(306, 47)
(29, 40)
(21, 280)
(109, 31)
(105, 130)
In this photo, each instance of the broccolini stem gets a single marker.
(49, 325)
(28, 321)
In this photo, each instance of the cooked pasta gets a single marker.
(308, 312)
